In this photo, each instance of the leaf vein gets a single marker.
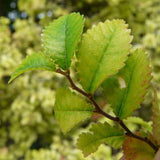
(100, 61)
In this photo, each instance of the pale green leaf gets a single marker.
(102, 52)
(34, 61)
(147, 126)
(156, 118)
(70, 109)
(126, 90)
(60, 38)
(100, 133)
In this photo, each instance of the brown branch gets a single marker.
(130, 134)
(100, 111)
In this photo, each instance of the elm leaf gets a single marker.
(100, 133)
(60, 38)
(136, 75)
(34, 61)
(102, 52)
(70, 109)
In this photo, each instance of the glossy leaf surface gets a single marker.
(60, 38)
(102, 52)
(126, 90)
(100, 133)
(34, 61)
(70, 109)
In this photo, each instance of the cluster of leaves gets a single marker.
(26, 107)
(102, 56)
(142, 17)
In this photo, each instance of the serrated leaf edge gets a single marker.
(122, 63)
(30, 69)
(92, 134)
(145, 82)
(54, 21)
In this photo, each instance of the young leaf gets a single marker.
(100, 133)
(102, 52)
(136, 149)
(156, 119)
(126, 90)
(61, 37)
(147, 126)
(34, 61)
(70, 109)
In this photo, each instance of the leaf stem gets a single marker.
(100, 111)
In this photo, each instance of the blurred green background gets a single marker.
(28, 129)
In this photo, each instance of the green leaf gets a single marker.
(70, 109)
(147, 126)
(126, 90)
(156, 118)
(100, 133)
(135, 149)
(34, 61)
(102, 52)
(61, 37)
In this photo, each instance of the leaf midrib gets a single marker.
(105, 50)
(103, 139)
(125, 95)
(65, 51)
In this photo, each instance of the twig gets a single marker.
(100, 111)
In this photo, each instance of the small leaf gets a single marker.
(102, 52)
(135, 76)
(70, 109)
(147, 126)
(100, 133)
(136, 149)
(156, 118)
(61, 37)
(34, 61)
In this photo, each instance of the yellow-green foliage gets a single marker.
(35, 61)
(90, 141)
(67, 114)
(60, 38)
(95, 60)
(127, 84)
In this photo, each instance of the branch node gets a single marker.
(90, 96)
